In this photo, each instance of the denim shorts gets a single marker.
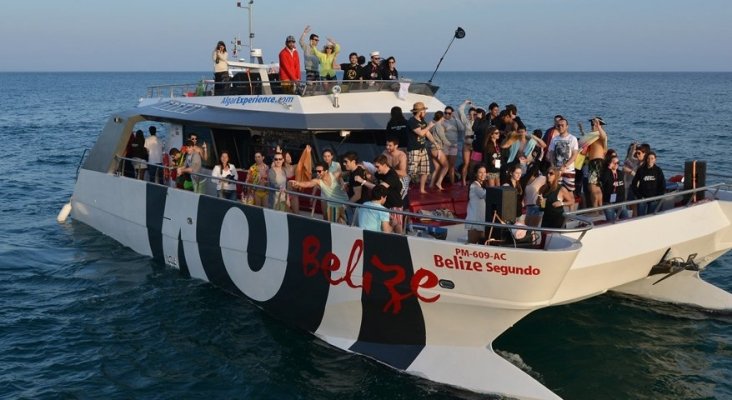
(533, 210)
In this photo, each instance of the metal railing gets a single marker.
(584, 223)
(299, 88)
(659, 199)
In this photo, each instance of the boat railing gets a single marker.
(205, 88)
(582, 224)
(685, 197)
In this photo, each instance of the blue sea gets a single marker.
(82, 317)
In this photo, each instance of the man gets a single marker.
(155, 155)
(352, 70)
(596, 154)
(419, 133)
(202, 150)
(552, 132)
(192, 166)
(513, 110)
(174, 160)
(375, 218)
(289, 65)
(372, 71)
(312, 63)
(397, 161)
(493, 111)
(454, 131)
(389, 179)
(355, 191)
(563, 151)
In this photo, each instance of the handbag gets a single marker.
(476, 156)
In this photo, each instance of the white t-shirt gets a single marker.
(562, 148)
(154, 149)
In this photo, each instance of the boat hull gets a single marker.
(420, 305)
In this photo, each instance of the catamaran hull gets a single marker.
(427, 307)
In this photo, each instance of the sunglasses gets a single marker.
(550, 174)
(278, 159)
(319, 171)
(448, 113)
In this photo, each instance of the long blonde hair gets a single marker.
(548, 186)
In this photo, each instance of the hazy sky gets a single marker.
(505, 35)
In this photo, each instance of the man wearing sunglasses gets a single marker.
(312, 63)
(372, 71)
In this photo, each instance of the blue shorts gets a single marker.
(533, 210)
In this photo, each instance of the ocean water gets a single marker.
(84, 317)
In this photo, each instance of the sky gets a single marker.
(501, 35)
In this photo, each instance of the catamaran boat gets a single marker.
(430, 307)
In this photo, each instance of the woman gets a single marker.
(511, 152)
(294, 201)
(327, 59)
(221, 67)
(390, 73)
(613, 189)
(439, 159)
(648, 182)
(333, 166)
(633, 160)
(225, 170)
(476, 205)
(257, 175)
(139, 153)
(492, 155)
(467, 121)
(552, 199)
(514, 181)
(397, 126)
(277, 179)
(330, 190)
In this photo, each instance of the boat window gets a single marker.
(232, 141)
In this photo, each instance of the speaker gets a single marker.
(695, 176)
(501, 199)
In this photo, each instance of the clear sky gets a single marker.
(503, 35)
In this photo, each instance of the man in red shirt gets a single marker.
(289, 65)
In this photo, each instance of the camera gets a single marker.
(230, 177)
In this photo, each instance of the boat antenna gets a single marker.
(459, 34)
(250, 10)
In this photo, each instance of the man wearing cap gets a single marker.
(372, 71)
(419, 133)
(596, 153)
(289, 65)
(312, 63)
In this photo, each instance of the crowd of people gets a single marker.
(550, 170)
(319, 64)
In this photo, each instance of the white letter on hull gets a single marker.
(180, 218)
(263, 284)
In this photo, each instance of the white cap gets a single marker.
(375, 53)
